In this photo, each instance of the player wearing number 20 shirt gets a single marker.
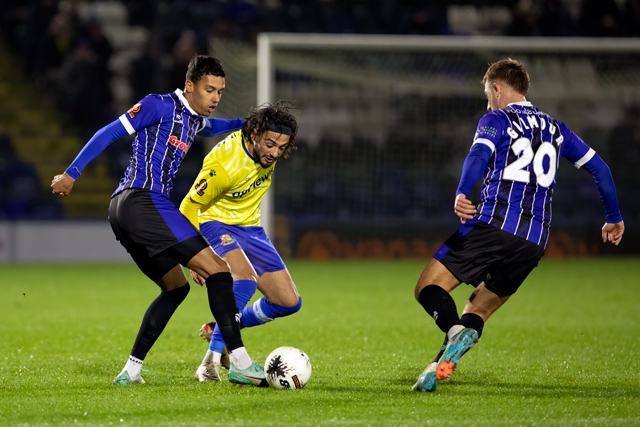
(526, 146)
(517, 148)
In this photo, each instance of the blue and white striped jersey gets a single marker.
(526, 146)
(166, 127)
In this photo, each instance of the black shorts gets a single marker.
(479, 252)
(154, 232)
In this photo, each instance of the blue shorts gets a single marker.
(252, 240)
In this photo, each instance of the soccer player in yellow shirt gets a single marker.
(224, 203)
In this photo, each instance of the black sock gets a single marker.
(156, 318)
(222, 303)
(469, 320)
(473, 321)
(439, 304)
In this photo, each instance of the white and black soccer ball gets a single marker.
(287, 368)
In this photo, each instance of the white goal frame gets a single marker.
(268, 41)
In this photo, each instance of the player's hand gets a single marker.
(464, 208)
(197, 278)
(62, 184)
(613, 232)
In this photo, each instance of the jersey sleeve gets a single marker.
(489, 131)
(145, 113)
(573, 148)
(96, 145)
(212, 127)
(211, 182)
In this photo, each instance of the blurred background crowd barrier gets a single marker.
(385, 120)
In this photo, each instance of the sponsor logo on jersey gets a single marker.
(226, 239)
(134, 110)
(486, 130)
(200, 187)
(173, 140)
(255, 184)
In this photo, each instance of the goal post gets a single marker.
(386, 120)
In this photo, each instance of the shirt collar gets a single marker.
(523, 103)
(184, 101)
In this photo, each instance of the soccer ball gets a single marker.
(287, 368)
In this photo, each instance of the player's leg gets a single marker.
(174, 289)
(433, 293)
(280, 298)
(244, 286)
(464, 257)
(481, 306)
(513, 262)
(474, 316)
(223, 306)
(124, 213)
(280, 295)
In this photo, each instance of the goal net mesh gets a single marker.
(384, 132)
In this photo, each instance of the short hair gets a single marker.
(271, 116)
(201, 65)
(511, 72)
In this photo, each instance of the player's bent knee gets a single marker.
(284, 310)
(207, 262)
(244, 275)
(179, 294)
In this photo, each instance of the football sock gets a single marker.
(222, 303)
(133, 367)
(243, 290)
(469, 320)
(438, 304)
(156, 318)
(240, 358)
(262, 311)
(454, 330)
(473, 321)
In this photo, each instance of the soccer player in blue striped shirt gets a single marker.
(151, 228)
(516, 150)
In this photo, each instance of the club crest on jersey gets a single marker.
(200, 187)
(226, 239)
(134, 110)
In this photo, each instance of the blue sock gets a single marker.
(243, 290)
(262, 311)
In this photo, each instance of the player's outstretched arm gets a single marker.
(63, 183)
(214, 127)
(613, 232)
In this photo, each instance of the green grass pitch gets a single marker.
(564, 351)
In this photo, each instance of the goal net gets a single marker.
(386, 121)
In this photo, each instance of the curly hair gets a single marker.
(269, 116)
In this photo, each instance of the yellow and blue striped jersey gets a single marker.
(230, 186)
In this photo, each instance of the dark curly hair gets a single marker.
(270, 115)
